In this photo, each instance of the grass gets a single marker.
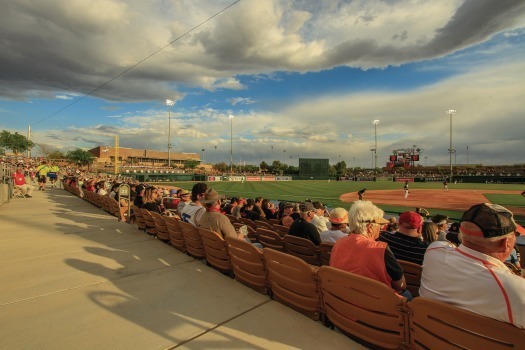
(329, 192)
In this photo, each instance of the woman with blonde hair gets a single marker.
(150, 199)
(429, 232)
(362, 254)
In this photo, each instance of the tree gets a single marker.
(340, 168)
(264, 166)
(277, 166)
(15, 142)
(80, 156)
(220, 167)
(56, 155)
(191, 164)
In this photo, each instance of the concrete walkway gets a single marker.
(72, 277)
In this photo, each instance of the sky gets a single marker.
(302, 79)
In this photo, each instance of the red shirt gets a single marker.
(20, 179)
(361, 255)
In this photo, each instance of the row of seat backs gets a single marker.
(364, 309)
(320, 255)
(110, 205)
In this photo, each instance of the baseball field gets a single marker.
(388, 195)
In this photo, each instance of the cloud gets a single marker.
(241, 100)
(81, 45)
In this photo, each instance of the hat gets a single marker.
(287, 205)
(410, 220)
(306, 207)
(318, 205)
(493, 220)
(380, 220)
(183, 192)
(210, 196)
(338, 216)
(173, 191)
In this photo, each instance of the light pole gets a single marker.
(284, 156)
(451, 112)
(203, 150)
(169, 103)
(467, 155)
(375, 122)
(231, 143)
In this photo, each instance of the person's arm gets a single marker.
(395, 271)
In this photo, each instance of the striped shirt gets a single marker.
(411, 249)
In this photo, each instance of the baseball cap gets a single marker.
(288, 205)
(410, 220)
(306, 207)
(338, 216)
(440, 219)
(493, 220)
(173, 192)
(318, 205)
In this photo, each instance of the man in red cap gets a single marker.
(406, 243)
(473, 276)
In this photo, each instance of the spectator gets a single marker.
(249, 211)
(361, 254)
(258, 207)
(139, 192)
(213, 219)
(303, 227)
(453, 234)
(193, 211)
(339, 221)
(429, 232)
(473, 276)
(286, 215)
(150, 200)
(20, 182)
(406, 243)
(268, 208)
(184, 196)
(236, 210)
(442, 224)
(320, 220)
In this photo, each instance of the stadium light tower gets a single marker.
(375, 122)
(169, 103)
(451, 150)
(231, 143)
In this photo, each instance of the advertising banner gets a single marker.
(268, 178)
(404, 179)
(236, 178)
(214, 178)
(283, 178)
(253, 178)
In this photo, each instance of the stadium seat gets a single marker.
(412, 276)
(248, 223)
(215, 250)
(271, 239)
(364, 309)
(325, 251)
(192, 240)
(139, 218)
(252, 234)
(303, 249)
(248, 264)
(150, 224)
(293, 283)
(273, 222)
(175, 233)
(160, 226)
(437, 325)
(263, 224)
(281, 230)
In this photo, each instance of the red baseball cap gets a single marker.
(410, 220)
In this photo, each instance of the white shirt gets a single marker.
(321, 223)
(471, 280)
(332, 236)
(192, 213)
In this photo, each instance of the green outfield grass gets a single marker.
(329, 192)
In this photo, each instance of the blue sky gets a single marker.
(305, 77)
